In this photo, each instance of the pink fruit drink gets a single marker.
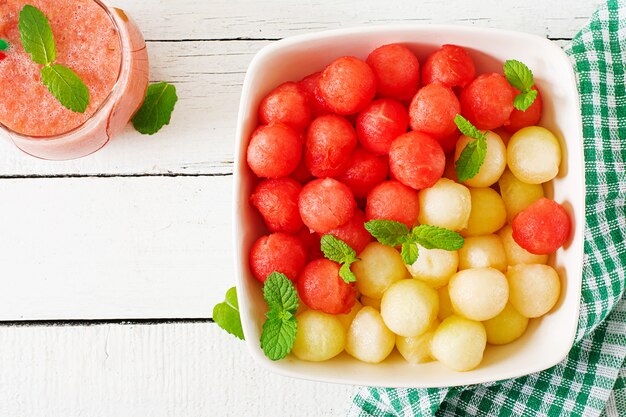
(97, 42)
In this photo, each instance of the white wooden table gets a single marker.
(141, 229)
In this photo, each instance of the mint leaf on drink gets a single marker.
(473, 155)
(387, 232)
(36, 35)
(280, 328)
(339, 251)
(156, 110)
(520, 77)
(433, 237)
(226, 314)
(66, 86)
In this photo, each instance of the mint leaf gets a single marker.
(433, 237)
(387, 232)
(471, 159)
(36, 35)
(346, 273)
(409, 253)
(226, 314)
(518, 75)
(524, 100)
(279, 293)
(66, 86)
(279, 335)
(156, 110)
(467, 128)
(4, 45)
(339, 251)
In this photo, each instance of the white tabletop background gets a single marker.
(141, 229)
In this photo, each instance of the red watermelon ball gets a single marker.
(278, 252)
(416, 160)
(321, 288)
(325, 204)
(286, 104)
(392, 200)
(347, 85)
(353, 232)
(365, 170)
(329, 141)
(542, 227)
(380, 123)
(397, 71)
(312, 243)
(451, 65)
(433, 110)
(311, 87)
(277, 201)
(274, 151)
(530, 117)
(488, 101)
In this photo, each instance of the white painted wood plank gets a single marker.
(175, 370)
(219, 19)
(97, 248)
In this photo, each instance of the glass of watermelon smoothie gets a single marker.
(100, 44)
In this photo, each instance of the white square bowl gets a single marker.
(548, 339)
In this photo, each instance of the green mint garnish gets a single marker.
(156, 110)
(280, 328)
(226, 314)
(4, 45)
(38, 40)
(520, 77)
(473, 155)
(392, 233)
(339, 251)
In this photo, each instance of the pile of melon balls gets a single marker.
(376, 139)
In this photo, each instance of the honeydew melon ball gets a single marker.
(434, 266)
(534, 289)
(494, 164)
(515, 254)
(482, 252)
(534, 155)
(416, 349)
(445, 304)
(506, 327)
(446, 204)
(378, 268)
(346, 319)
(479, 293)
(488, 212)
(516, 194)
(369, 339)
(409, 307)
(459, 343)
(320, 336)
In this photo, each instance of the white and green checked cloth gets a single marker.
(591, 381)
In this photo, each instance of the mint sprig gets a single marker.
(226, 314)
(156, 110)
(4, 45)
(38, 40)
(339, 251)
(473, 155)
(520, 77)
(281, 326)
(392, 233)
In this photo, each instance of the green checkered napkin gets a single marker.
(591, 381)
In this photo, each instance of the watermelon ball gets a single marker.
(397, 71)
(286, 104)
(277, 201)
(311, 87)
(487, 102)
(380, 123)
(274, 151)
(353, 232)
(312, 244)
(451, 65)
(347, 85)
(416, 160)
(520, 119)
(329, 141)
(280, 252)
(542, 227)
(321, 288)
(392, 200)
(365, 170)
(325, 204)
(433, 109)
